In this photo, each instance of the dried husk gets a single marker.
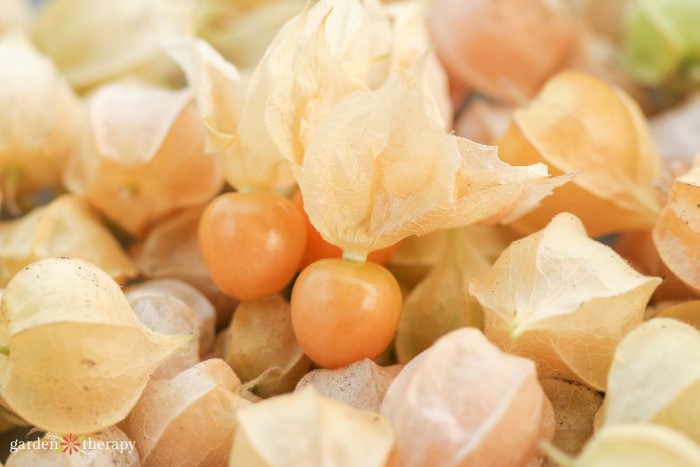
(85, 457)
(362, 385)
(441, 303)
(575, 406)
(676, 133)
(643, 445)
(563, 300)
(464, 402)
(67, 226)
(170, 316)
(677, 230)
(76, 357)
(171, 250)
(40, 119)
(580, 124)
(483, 121)
(96, 42)
(655, 378)
(305, 428)
(141, 156)
(502, 48)
(190, 296)
(688, 312)
(200, 404)
(384, 157)
(15, 16)
(261, 339)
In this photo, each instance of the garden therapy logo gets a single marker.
(71, 444)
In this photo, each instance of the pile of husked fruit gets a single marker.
(350, 233)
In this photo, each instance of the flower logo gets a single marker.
(71, 443)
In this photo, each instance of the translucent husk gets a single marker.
(677, 231)
(361, 385)
(477, 43)
(305, 428)
(655, 378)
(483, 121)
(40, 119)
(187, 420)
(563, 300)
(643, 445)
(170, 316)
(190, 296)
(70, 335)
(688, 312)
(96, 42)
(675, 136)
(171, 250)
(15, 16)
(580, 124)
(68, 226)
(141, 156)
(441, 303)
(261, 339)
(464, 402)
(85, 455)
(575, 406)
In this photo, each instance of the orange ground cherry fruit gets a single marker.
(317, 248)
(344, 311)
(252, 243)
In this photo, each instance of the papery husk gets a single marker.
(70, 335)
(563, 300)
(442, 303)
(84, 457)
(642, 445)
(241, 32)
(305, 428)
(171, 250)
(464, 402)
(483, 121)
(15, 16)
(405, 175)
(40, 120)
(477, 42)
(170, 316)
(95, 42)
(580, 124)
(362, 385)
(67, 226)
(233, 116)
(575, 406)
(677, 231)
(687, 312)
(261, 338)
(141, 156)
(200, 404)
(676, 133)
(190, 296)
(655, 378)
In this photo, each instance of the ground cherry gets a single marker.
(317, 248)
(252, 243)
(344, 311)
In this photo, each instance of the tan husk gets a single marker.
(361, 385)
(688, 312)
(677, 231)
(575, 406)
(305, 428)
(141, 156)
(171, 250)
(442, 303)
(261, 338)
(655, 377)
(40, 119)
(563, 300)
(76, 357)
(190, 296)
(67, 226)
(464, 402)
(188, 420)
(86, 456)
(580, 124)
(168, 315)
